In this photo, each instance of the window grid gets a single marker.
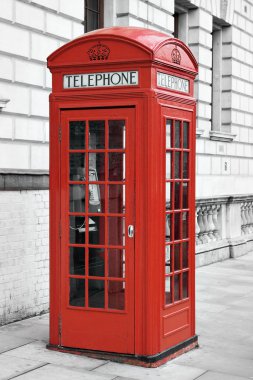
(177, 210)
(104, 279)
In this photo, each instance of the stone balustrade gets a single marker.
(224, 227)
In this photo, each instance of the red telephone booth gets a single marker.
(122, 177)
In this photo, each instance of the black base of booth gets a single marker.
(141, 360)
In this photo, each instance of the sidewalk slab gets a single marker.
(38, 350)
(11, 367)
(210, 375)
(9, 342)
(53, 372)
(165, 372)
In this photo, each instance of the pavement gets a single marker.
(224, 325)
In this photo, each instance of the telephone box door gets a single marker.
(97, 219)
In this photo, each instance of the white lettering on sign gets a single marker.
(111, 79)
(172, 82)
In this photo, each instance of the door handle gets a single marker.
(131, 231)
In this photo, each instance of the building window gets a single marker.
(94, 15)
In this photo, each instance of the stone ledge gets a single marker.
(23, 182)
(221, 136)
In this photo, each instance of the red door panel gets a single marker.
(97, 256)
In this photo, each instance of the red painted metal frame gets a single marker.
(148, 52)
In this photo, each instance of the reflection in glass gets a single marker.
(177, 265)
(116, 166)
(115, 230)
(168, 205)
(177, 165)
(167, 227)
(116, 263)
(77, 229)
(76, 292)
(186, 134)
(117, 133)
(168, 290)
(97, 293)
(185, 195)
(177, 134)
(96, 198)
(77, 135)
(96, 230)
(77, 260)
(168, 165)
(77, 166)
(93, 5)
(167, 259)
(116, 295)
(97, 134)
(176, 287)
(185, 165)
(96, 262)
(96, 166)
(177, 196)
(185, 225)
(168, 133)
(185, 284)
(177, 226)
(116, 198)
(185, 255)
(76, 198)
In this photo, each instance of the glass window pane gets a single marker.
(177, 134)
(117, 134)
(177, 226)
(186, 165)
(77, 135)
(96, 198)
(77, 167)
(116, 230)
(168, 133)
(116, 295)
(176, 287)
(186, 134)
(185, 195)
(167, 227)
(76, 198)
(168, 291)
(77, 260)
(185, 225)
(167, 259)
(76, 292)
(168, 166)
(96, 230)
(177, 165)
(177, 265)
(116, 198)
(96, 166)
(92, 4)
(177, 196)
(77, 229)
(116, 263)
(116, 166)
(168, 191)
(185, 285)
(97, 293)
(96, 262)
(185, 255)
(97, 134)
(92, 21)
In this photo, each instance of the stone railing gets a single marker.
(224, 227)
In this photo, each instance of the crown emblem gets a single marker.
(176, 56)
(98, 52)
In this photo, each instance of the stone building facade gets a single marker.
(220, 34)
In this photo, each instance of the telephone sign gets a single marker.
(123, 78)
(122, 206)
